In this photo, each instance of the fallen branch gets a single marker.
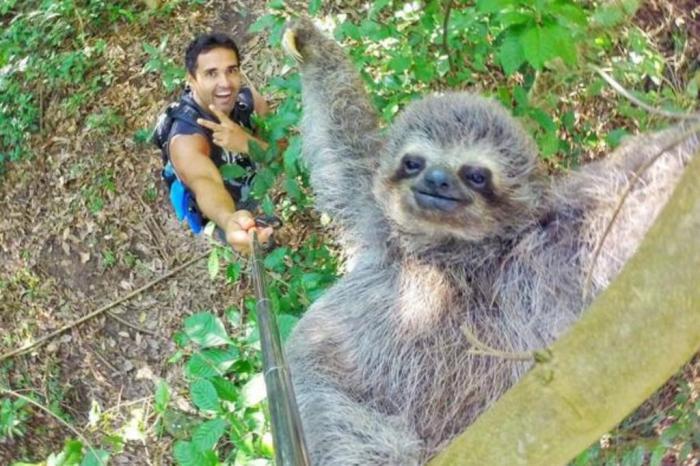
(102, 310)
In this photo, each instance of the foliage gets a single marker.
(224, 368)
(649, 439)
(12, 415)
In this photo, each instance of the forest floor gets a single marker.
(85, 222)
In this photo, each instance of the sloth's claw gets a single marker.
(289, 44)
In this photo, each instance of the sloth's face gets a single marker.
(458, 165)
(452, 191)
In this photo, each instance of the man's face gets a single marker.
(217, 79)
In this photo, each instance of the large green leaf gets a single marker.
(209, 363)
(204, 395)
(510, 54)
(541, 44)
(206, 330)
(187, 454)
(232, 171)
(207, 435)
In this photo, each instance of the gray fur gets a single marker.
(382, 369)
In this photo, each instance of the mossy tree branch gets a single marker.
(633, 338)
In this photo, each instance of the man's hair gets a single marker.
(205, 43)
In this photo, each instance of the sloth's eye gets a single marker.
(476, 177)
(412, 164)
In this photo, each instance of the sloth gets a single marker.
(454, 235)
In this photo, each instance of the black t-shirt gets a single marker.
(186, 124)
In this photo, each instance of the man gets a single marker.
(208, 134)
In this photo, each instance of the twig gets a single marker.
(482, 349)
(103, 309)
(445, 24)
(61, 421)
(128, 403)
(628, 95)
(129, 324)
(628, 189)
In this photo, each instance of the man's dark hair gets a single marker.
(205, 43)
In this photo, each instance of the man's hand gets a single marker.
(227, 134)
(239, 230)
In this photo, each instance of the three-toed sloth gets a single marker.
(448, 222)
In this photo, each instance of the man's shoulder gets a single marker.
(184, 114)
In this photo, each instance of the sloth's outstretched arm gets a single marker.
(644, 171)
(339, 128)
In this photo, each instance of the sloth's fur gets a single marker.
(381, 365)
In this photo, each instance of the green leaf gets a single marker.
(262, 23)
(537, 46)
(510, 54)
(614, 137)
(206, 330)
(233, 271)
(204, 395)
(207, 435)
(162, 396)
(609, 15)
(209, 363)
(291, 156)
(657, 455)
(186, 454)
(399, 63)
(262, 183)
(514, 18)
(634, 457)
(377, 6)
(213, 264)
(275, 259)
(291, 186)
(314, 6)
(232, 171)
(494, 6)
(225, 389)
(95, 458)
(424, 69)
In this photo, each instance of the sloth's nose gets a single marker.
(438, 180)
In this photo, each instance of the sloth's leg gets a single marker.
(341, 431)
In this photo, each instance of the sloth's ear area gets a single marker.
(299, 37)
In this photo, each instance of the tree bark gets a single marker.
(634, 337)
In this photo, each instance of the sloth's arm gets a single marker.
(592, 195)
(340, 425)
(339, 128)
(341, 431)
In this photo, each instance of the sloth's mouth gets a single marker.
(432, 201)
